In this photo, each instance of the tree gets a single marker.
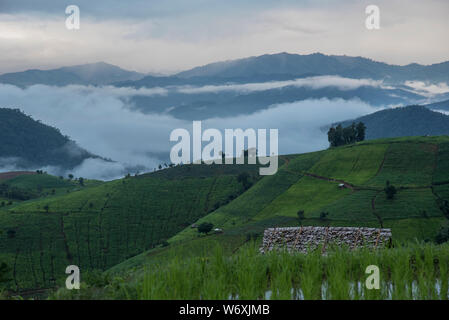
(360, 129)
(46, 208)
(81, 181)
(4, 273)
(205, 227)
(339, 136)
(390, 190)
(323, 215)
(331, 136)
(243, 178)
(11, 233)
(424, 214)
(442, 236)
(300, 215)
(349, 134)
(444, 206)
(165, 243)
(70, 176)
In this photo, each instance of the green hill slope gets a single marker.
(99, 226)
(417, 167)
(147, 218)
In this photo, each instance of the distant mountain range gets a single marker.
(268, 67)
(286, 66)
(403, 121)
(94, 74)
(278, 68)
(25, 143)
(227, 85)
(320, 64)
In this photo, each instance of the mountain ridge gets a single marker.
(98, 73)
(26, 143)
(270, 66)
(354, 67)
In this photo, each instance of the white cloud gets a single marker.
(310, 82)
(171, 42)
(104, 124)
(298, 123)
(428, 89)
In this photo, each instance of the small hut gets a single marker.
(303, 239)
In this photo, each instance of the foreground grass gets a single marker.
(417, 271)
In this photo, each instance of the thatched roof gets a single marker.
(308, 238)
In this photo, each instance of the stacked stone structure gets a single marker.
(303, 239)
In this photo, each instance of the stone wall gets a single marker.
(308, 238)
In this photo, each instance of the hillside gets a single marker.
(403, 122)
(417, 167)
(25, 142)
(93, 73)
(102, 226)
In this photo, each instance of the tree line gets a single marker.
(339, 136)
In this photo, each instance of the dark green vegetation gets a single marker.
(403, 122)
(31, 143)
(100, 227)
(340, 136)
(419, 271)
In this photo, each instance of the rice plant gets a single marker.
(414, 271)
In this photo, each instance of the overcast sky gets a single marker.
(173, 35)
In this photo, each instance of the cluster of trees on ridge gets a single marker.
(339, 135)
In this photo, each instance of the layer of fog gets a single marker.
(428, 89)
(317, 82)
(102, 122)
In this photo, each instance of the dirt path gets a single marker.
(381, 164)
(346, 184)
(373, 208)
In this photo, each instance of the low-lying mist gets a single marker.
(102, 121)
